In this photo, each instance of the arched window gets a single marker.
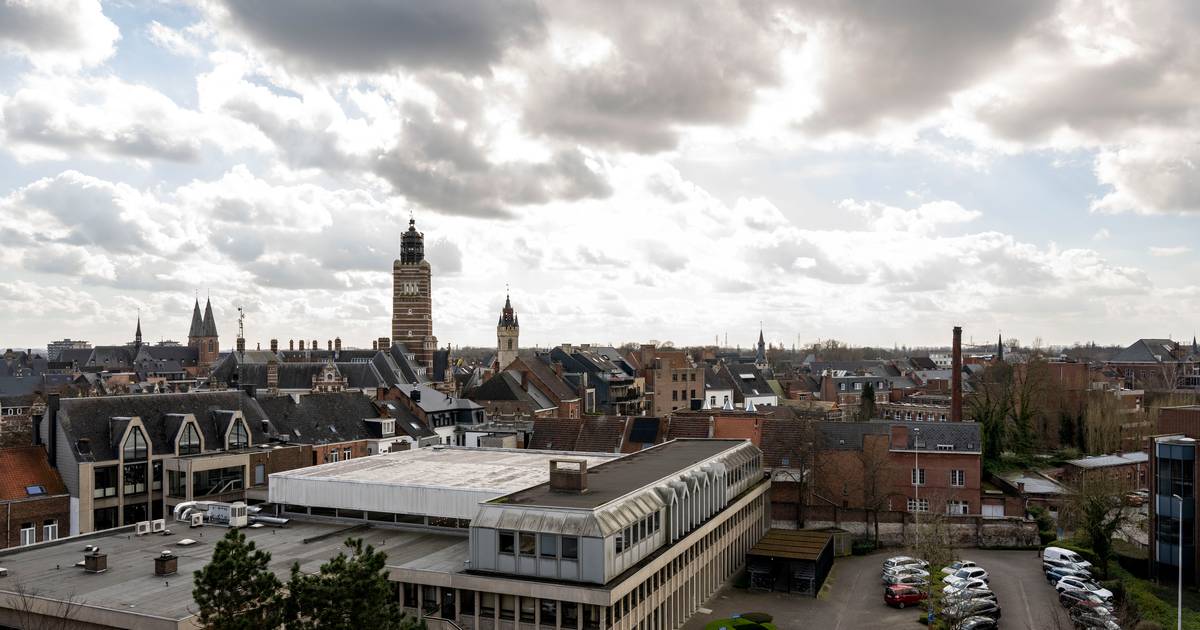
(510, 344)
(189, 442)
(238, 437)
(135, 445)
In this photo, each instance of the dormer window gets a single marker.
(189, 442)
(238, 436)
(135, 445)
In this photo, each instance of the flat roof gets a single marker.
(500, 470)
(802, 544)
(1035, 483)
(616, 478)
(129, 586)
(1117, 459)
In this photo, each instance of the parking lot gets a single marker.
(853, 597)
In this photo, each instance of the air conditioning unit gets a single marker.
(197, 519)
(142, 528)
(158, 525)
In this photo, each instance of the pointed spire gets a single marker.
(210, 323)
(137, 336)
(197, 329)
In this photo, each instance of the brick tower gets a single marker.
(412, 307)
(507, 333)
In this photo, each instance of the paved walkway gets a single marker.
(852, 598)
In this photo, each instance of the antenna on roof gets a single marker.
(241, 323)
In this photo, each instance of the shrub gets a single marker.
(862, 547)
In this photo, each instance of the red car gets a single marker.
(901, 595)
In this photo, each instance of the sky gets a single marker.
(870, 171)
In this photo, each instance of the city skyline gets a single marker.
(759, 168)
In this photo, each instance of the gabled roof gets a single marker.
(843, 436)
(1147, 351)
(602, 434)
(25, 473)
(784, 442)
(323, 418)
(539, 364)
(748, 380)
(91, 418)
(555, 434)
(689, 427)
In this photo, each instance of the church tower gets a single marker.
(203, 335)
(760, 354)
(507, 332)
(412, 306)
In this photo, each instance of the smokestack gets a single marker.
(52, 428)
(956, 377)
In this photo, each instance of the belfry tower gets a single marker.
(412, 306)
(507, 332)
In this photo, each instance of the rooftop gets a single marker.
(130, 586)
(25, 473)
(1035, 483)
(619, 477)
(1116, 459)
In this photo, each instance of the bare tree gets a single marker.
(35, 611)
(1102, 423)
(877, 475)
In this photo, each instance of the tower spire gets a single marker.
(137, 336)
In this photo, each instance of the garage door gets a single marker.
(993, 511)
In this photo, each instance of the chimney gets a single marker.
(337, 344)
(272, 375)
(274, 345)
(241, 345)
(166, 563)
(314, 345)
(569, 479)
(330, 342)
(415, 395)
(301, 345)
(250, 389)
(956, 377)
(52, 432)
(385, 343)
(292, 344)
(94, 561)
(375, 344)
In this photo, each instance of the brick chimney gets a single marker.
(274, 345)
(301, 345)
(337, 344)
(272, 375)
(956, 377)
(329, 342)
(166, 563)
(292, 344)
(314, 345)
(571, 478)
(375, 344)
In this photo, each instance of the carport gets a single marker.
(791, 561)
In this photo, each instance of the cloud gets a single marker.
(445, 257)
(57, 34)
(171, 40)
(1151, 178)
(1101, 235)
(377, 35)
(1163, 252)
(924, 219)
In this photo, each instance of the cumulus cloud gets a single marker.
(1169, 251)
(377, 35)
(57, 34)
(172, 40)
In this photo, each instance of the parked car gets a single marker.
(972, 573)
(970, 593)
(911, 580)
(972, 608)
(902, 571)
(963, 585)
(901, 595)
(1082, 585)
(1048, 564)
(904, 561)
(1058, 553)
(1071, 598)
(1054, 574)
(979, 623)
(953, 567)
(1093, 620)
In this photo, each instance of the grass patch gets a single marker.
(722, 624)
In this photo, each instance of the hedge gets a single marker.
(1145, 605)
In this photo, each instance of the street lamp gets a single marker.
(1179, 586)
(917, 484)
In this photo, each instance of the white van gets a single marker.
(1058, 553)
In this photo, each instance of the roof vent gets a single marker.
(166, 563)
(569, 479)
(95, 562)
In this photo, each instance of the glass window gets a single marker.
(549, 612)
(548, 545)
(466, 602)
(507, 542)
(217, 481)
(135, 478)
(508, 606)
(176, 484)
(528, 541)
(156, 480)
(528, 606)
(50, 530)
(104, 518)
(28, 534)
(347, 453)
(958, 478)
(260, 474)
(570, 614)
(410, 595)
(918, 476)
(189, 442)
(487, 604)
(105, 482)
(135, 444)
(619, 541)
(238, 436)
(570, 547)
(135, 513)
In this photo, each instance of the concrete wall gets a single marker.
(898, 528)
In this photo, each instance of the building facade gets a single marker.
(1173, 464)
(412, 304)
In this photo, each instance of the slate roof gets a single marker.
(962, 436)
(433, 401)
(210, 323)
(539, 364)
(602, 434)
(716, 378)
(1147, 351)
(554, 434)
(197, 327)
(845, 436)
(689, 427)
(784, 441)
(26, 466)
(1116, 459)
(323, 418)
(19, 385)
(754, 386)
(78, 356)
(92, 418)
(112, 357)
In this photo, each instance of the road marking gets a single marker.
(1025, 600)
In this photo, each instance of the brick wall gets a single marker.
(357, 448)
(36, 511)
(16, 431)
(1185, 420)
(899, 528)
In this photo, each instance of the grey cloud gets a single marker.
(671, 65)
(89, 210)
(292, 272)
(242, 246)
(466, 36)
(445, 257)
(665, 259)
(35, 122)
(900, 60)
(68, 261)
(78, 32)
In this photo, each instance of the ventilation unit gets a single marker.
(197, 519)
(158, 525)
(142, 528)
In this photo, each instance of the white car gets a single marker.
(1082, 585)
(953, 567)
(1058, 553)
(915, 576)
(908, 569)
(963, 585)
(899, 561)
(972, 573)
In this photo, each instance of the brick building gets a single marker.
(539, 372)
(1129, 471)
(35, 503)
(412, 305)
(673, 380)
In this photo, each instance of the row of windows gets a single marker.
(909, 415)
(332, 455)
(104, 479)
(683, 395)
(958, 478)
(953, 506)
(29, 532)
(639, 531)
(530, 544)
(691, 376)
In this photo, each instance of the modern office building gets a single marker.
(489, 539)
(1173, 465)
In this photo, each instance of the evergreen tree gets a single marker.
(236, 590)
(1066, 430)
(866, 409)
(350, 593)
